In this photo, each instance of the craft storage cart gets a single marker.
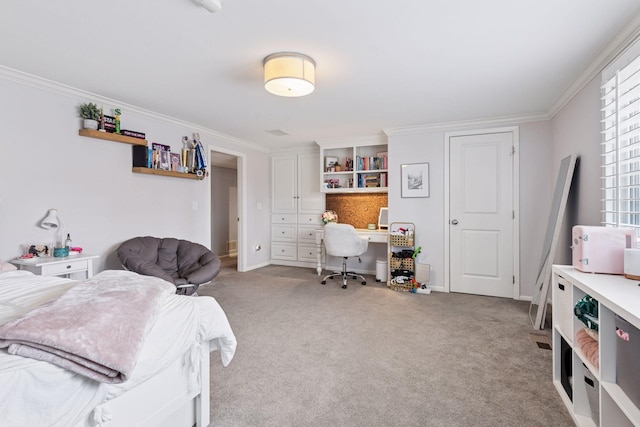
(402, 266)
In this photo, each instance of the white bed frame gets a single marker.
(164, 400)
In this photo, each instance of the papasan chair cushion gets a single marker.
(185, 264)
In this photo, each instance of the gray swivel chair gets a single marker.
(342, 240)
(185, 264)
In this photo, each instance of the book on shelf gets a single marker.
(371, 163)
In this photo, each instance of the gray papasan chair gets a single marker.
(185, 264)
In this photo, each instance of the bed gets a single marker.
(169, 385)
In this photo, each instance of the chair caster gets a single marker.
(324, 282)
(364, 283)
(344, 286)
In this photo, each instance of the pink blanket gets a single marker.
(95, 329)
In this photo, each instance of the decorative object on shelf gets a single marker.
(415, 180)
(90, 113)
(117, 113)
(329, 216)
(337, 167)
(101, 121)
(289, 74)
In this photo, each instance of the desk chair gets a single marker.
(343, 240)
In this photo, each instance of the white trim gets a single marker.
(619, 43)
(378, 139)
(515, 164)
(475, 124)
(71, 92)
(241, 176)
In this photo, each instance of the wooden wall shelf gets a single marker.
(112, 137)
(174, 174)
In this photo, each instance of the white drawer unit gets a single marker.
(283, 251)
(307, 252)
(58, 266)
(600, 392)
(284, 218)
(307, 233)
(284, 232)
(310, 219)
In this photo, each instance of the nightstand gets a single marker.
(58, 266)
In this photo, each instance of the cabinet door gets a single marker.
(283, 184)
(310, 198)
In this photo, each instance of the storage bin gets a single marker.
(628, 359)
(592, 386)
(563, 298)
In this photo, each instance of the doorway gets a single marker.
(226, 207)
(481, 232)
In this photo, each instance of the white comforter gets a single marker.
(36, 393)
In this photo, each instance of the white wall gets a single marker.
(47, 164)
(576, 129)
(428, 213)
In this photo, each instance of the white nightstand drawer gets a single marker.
(310, 219)
(284, 218)
(280, 250)
(71, 266)
(284, 232)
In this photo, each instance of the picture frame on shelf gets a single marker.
(415, 180)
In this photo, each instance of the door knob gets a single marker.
(454, 222)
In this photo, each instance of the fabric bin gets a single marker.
(592, 387)
(628, 359)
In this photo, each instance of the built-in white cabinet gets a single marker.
(604, 393)
(354, 166)
(297, 205)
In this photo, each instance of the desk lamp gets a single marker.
(53, 221)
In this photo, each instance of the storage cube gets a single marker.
(600, 249)
(628, 356)
(592, 386)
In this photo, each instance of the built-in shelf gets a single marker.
(174, 174)
(112, 137)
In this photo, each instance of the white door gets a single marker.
(283, 184)
(310, 198)
(481, 214)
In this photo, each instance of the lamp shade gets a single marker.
(289, 74)
(51, 220)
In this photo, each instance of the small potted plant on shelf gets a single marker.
(337, 167)
(91, 114)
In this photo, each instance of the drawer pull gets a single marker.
(561, 286)
(68, 266)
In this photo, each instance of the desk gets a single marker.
(58, 266)
(374, 236)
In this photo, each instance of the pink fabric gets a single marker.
(589, 347)
(95, 329)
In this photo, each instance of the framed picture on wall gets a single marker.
(415, 180)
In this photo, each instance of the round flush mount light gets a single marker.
(289, 74)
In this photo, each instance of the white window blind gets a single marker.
(621, 141)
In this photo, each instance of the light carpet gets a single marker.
(314, 355)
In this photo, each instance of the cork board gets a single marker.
(358, 210)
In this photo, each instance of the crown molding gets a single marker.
(467, 124)
(614, 48)
(38, 82)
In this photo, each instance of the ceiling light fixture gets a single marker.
(211, 5)
(289, 74)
